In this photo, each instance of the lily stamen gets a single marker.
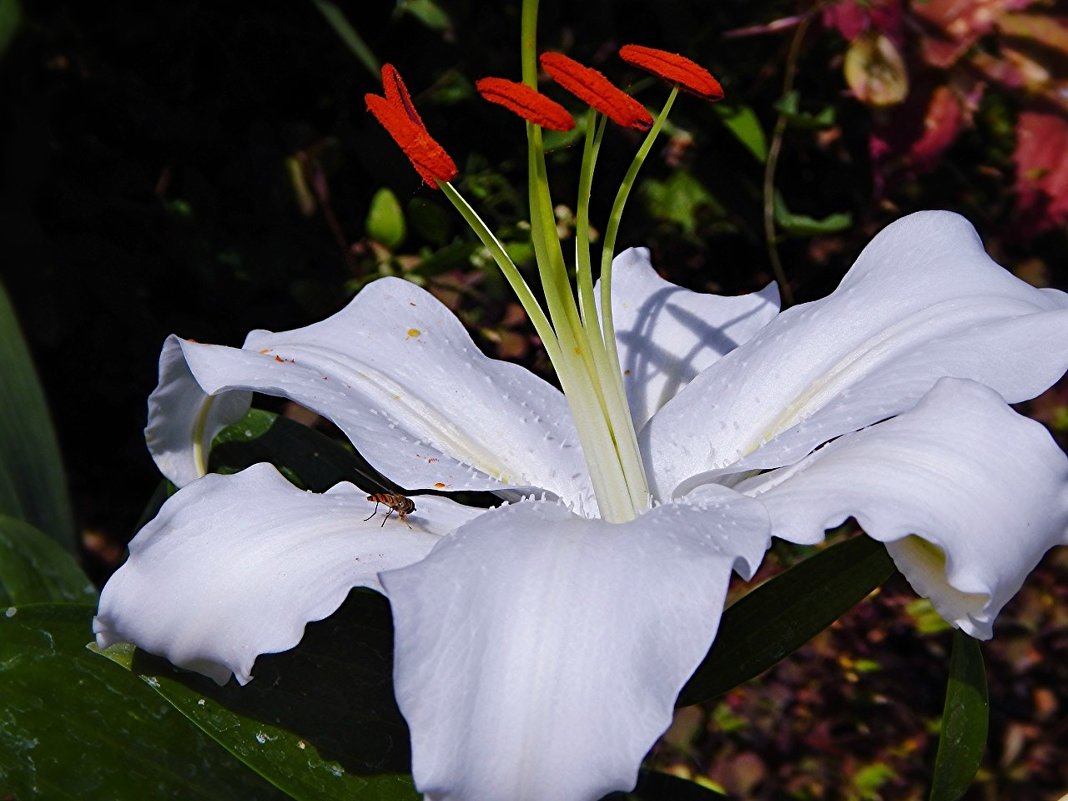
(397, 93)
(396, 113)
(686, 74)
(590, 86)
(525, 102)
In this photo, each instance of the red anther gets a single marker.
(528, 103)
(427, 156)
(397, 93)
(674, 68)
(590, 86)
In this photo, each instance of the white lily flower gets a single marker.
(540, 646)
(539, 650)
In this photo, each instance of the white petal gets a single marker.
(539, 654)
(666, 334)
(235, 566)
(183, 419)
(961, 471)
(923, 301)
(397, 372)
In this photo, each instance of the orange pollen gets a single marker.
(592, 87)
(528, 103)
(397, 93)
(427, 156)
(674, 68)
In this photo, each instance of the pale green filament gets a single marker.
(511, 272)
(608, 250)
(583, 262)
(579, 341)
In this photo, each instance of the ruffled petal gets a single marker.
(235, 566)
(922, 302)
(397, 372)
(539, 654)
(967, 494)
(666, 335)
(183, 419)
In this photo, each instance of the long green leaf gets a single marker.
(34, 569)
(318, 721)
(783, 613)
(32, 468)
(10, 19)
(74, 726)
(803, 225)
(343, 28)
(743, 122)
(964, 721)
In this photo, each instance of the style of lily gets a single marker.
(540, 645)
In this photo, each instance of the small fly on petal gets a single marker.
(400, 504)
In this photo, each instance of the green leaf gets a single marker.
(925, 618)
(34, 569)
(309, 459)
(385, 219)
(318, 721)
(74, 726)
(336, 19)
(788, 106)
(870, 780)
(10, 18)
(679, 199)
(430, 220)
(427, 12)
(742, 121)
(785, 612)
(454, 256)
(964, 721)
(800, 225)
(32, 471)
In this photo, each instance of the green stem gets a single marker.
(508, 268)
(583, 259)
(609, 372)
(785, 292)
(577, 365)
(609, 247)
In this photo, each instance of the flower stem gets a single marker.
(508, 268)
(785, 291)
(610, 372)
(608, 249)
(581, 361)
(583, 260)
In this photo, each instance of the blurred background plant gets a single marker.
(205, 169)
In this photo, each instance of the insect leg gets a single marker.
(372, 513)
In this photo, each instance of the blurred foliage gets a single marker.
(207, 169)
